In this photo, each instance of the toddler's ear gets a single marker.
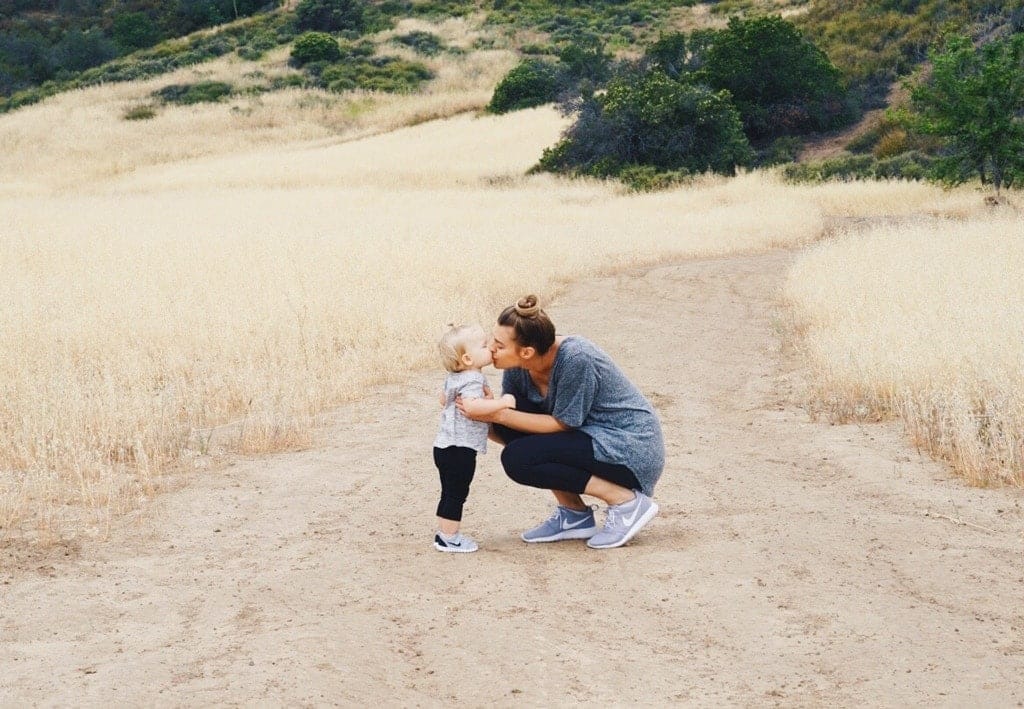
(466, 359)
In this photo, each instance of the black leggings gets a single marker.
(456, 466)
(557, 461)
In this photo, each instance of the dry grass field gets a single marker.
(924, 320)
(217, 277)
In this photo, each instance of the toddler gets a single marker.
(464, 352)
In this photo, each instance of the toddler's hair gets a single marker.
(454, 344)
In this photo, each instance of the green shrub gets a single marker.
(187, 94)
(652, 120)
(782, 150)
(425, 43)
(388, 74)
(533, 82)
(646, 178)
(779, 81)
(331, 15)
(256, 44)
(586, 59)
(140, 113)
(912, 165)
(135, 30)
(315, 47)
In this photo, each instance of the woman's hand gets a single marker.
(484, 409)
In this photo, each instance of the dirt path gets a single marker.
(793, 563)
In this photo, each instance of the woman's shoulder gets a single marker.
(574, 347)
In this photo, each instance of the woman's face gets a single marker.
(504, 350)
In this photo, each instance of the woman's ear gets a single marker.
(527, 352)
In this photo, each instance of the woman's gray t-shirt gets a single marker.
(588, 392)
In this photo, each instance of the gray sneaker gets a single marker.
(563, 524)
(460, 543)
(624, 521)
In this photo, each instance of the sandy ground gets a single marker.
(793, 563)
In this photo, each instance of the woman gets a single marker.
(579, 427)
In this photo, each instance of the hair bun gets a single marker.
(527, 306)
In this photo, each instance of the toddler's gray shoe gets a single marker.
(624, 521)
(563, 524)
(458, 544)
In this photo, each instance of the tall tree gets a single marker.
(974, 100)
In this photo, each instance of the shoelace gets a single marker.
(614, 517)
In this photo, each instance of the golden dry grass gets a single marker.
(924, 320)
(215, 278)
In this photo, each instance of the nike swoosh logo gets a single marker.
(566, 524)
(629, 520)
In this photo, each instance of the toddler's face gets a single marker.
(479, 353)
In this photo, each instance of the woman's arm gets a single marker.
(477, 407)
(522, 421)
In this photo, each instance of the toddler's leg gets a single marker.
(456, 466)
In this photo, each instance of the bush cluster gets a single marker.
(315, 47)
(38, 46)
(912, 165)
(651, 121)
(709, 101)
(354, 66)
(426, 43)
(389, 74)
(188, 94)
(533, 82)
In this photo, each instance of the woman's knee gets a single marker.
(515, 461)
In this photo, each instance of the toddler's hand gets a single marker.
(509, 400)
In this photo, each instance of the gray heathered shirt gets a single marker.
(456, 429)
(587, 391)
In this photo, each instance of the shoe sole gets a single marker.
(454, 550)
(644, 519)
(567, 534)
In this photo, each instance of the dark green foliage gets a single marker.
(781, 150)
(646, 178)
(331, 15)
(908, 166)
(780, 82)
(140, 113)
(253, 45)
(388, 74)
(616, 22)
(426, 43)
(533, 82)
(585, 59)
(315, 47)
(669, 54)
(80, 50)
(652, 120)
(358, 68)
(135, 30)
(974, 101)
(187, 94)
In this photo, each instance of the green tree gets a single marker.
(779, 81)
(135, 30)
(533, 82)
(974, 100)
(652, 120)
(331, 15)
(315, 47)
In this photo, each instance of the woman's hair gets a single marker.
(532, 325)
(454, 343)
